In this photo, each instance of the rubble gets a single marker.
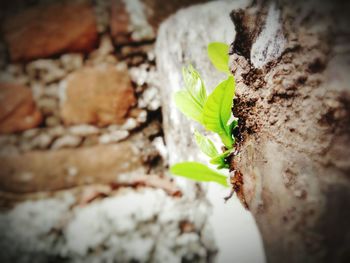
(144, 230)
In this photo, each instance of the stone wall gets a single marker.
(82, 173)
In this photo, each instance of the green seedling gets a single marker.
(199, 172)
(213, 112)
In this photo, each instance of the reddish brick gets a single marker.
(99, 96)
(17, 109)
(47, 30)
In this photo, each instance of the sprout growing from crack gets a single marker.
(213, 112)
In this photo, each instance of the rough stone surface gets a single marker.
(17, 109)
(46, 30)
(98, 96)
(294, 120)
(50, 170)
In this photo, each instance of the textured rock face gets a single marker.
(293, 102)
(49, 30)
(17, 109)
(98, 96)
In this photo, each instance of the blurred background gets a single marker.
(83, 159)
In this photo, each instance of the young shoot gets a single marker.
(213, 112)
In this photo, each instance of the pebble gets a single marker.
(84, 130)
(150, 99)
(52, 121)
(71, 62)
(42, 141)
(139, 74)
(112, 137)
(121, 66)
(66, 141)
(129, 124)
(113, 127)
(57, 131)
(47, 70)
(37, 90)
(51, 91)
(159, 144)
(142, 117)
(47, 105)
(151, 56)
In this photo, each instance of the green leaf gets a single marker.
(194, 84)
(206, 145)
(234, 124)
(223, 166)
(217, 110)
(185, 103)
(218, 55)
(190, 101)
(219, 159)
(198, 172)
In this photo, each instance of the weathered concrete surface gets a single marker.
(291, 65)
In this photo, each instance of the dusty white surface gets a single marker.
(179, 44)
(271, 42)
(235, 231)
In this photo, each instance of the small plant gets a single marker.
(213, 111)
